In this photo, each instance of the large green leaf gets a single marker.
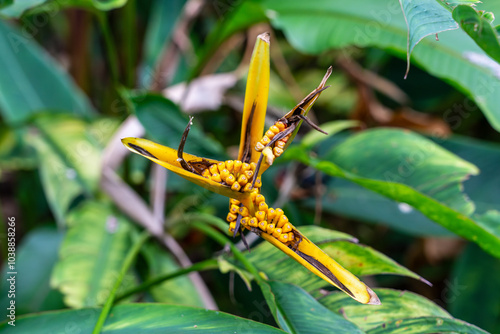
(400, 156)
(69, 152)
(360, 260)
(426, 325)
(435, 210)
(473, 293)
(92, 255)
(21, 7)
(424, 18)
(479, 28)
(165, 123)
(483, 188)
(314, 27)
(31, 81)
(139, 318)
(395, 305)
(164, 16)
(35, 258)
(301, 313)
(179, 290)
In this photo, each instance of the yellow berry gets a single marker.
(277, 232)
(253, 222)
(270, 228)
(278, 215)
(260, 215)
(231, 217)
(229, 165)
(236, 186)
(286, 228)
(242, 180)
(282, 221)
(258, 183)
(248, 174)
(234, 209)
(244, 221)
(216, 177)
(221, 166)
(236, 166)
(291, 236)
(274, 129)
(259, 146)
(270, 134)
(263, 225)
(259, 199)
(265, 140)
(234, 201)
(206, 173)
(277, 151)
(224, 174)
(280, 126)
(271, 214)
(230, 179)
(247, 187)
(213, 169)
(243, 211)
(263, 206)
(283, 238)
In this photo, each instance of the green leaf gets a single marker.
(32, 82)
(141, 318)
(424, 18)
(91, 255)
(426, 325)
(179, 290)
(18, 7)
(301, 313)
(483, 188)
(395, 305)
(69, 153)
(108, 4)
(314, 27)
(164, 17)
(400, 156)
(165, 124)
(29, 7)
(433, 209)
(360, 260)
(479, 28)
(5, 3)
(475, 282)
(35, 258)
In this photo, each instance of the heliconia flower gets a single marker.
(240, 179)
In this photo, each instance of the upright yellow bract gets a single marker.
(240, 179)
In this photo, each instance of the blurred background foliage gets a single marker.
(413, 173)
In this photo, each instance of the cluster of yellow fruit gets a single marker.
(277, 147)
(236, 174)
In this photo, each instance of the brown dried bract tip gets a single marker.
(266, 37)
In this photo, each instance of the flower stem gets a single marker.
(129, 259)
(204, 265)
(222, 240)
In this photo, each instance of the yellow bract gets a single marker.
(256, 94)
(233, 178)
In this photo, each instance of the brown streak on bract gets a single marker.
(245, 157)
(324, 270)
(142, 151)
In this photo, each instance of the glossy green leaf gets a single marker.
(400, 156)
(164, 16)
(475, 282)
(395, 305)
(92, 255)
(426, 325)
(31, 81)
(483, 188)
(451, 219)
(5, 3)
(314, 27)
(141, 318)
(165, 124)
(108, 4)
(424, 18)
(69, 153)
(354, 201)
(479, 28)
(358, 259)
(301, 313)
(179, 290)
(33, 292)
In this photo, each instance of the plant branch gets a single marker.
(125, 267)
